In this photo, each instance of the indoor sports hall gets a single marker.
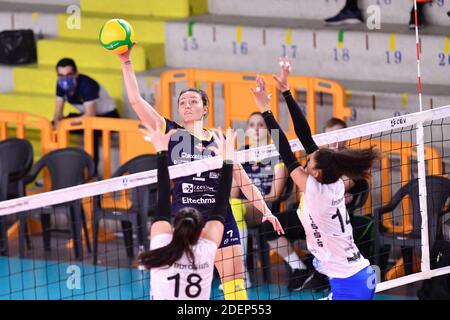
(89, 87)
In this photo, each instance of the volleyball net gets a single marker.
(82, 242)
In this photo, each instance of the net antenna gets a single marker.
(425, 263)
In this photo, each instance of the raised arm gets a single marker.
(262, 99)
(215, 225)
(146, 113)
(301, 126)
(252, 193)
(161, 222)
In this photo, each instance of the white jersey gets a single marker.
(181, 281)
(329, 234)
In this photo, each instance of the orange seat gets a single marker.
(238, 100)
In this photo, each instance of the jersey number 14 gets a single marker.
(341, 219)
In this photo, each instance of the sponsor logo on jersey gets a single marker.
(181, 266)
(186, 155)
(188, 200)
(356, 256)
(192, 188)
(316, 233)
(336, 202)
(213, 175)
(187, 187)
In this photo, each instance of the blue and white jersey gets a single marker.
(329, 234)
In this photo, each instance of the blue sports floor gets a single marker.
(48, 280)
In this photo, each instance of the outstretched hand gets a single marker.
(156, 136)
(225, 146)
(275, 223)
(262, 99)
(285, 71)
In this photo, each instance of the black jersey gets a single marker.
(198, 190)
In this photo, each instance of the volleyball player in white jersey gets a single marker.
(181, 256)
(322, 210)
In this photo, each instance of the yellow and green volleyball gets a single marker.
(116, 36)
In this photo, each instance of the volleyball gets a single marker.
(116, 36)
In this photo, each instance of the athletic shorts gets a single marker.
(230, 232)
(360, 286)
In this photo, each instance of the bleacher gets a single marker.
(59, 36)
(251, 35)
(247, 39)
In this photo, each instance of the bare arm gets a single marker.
(262, 99)
(215, 225)
(146, 113)
(59, 108)
(300, 176)
(252, 193)
(278, 183)
(90, 108)
(161, 220)
(235, 190)
(249, 190)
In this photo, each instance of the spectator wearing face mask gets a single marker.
(85, 94)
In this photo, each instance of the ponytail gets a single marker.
(353, 163)
(188, 225)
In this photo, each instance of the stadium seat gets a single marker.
(26, 77)
(130, 139)
(170, 9)
(392, 149)
(67, 168)
(37, 104)
(438, 191)
(238, 101)
(16, 159)
(137, 204)
(360, 194)
(89, 54)
(149, 30)
(257, 239)
(36, 129)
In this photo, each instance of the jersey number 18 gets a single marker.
(192, 290)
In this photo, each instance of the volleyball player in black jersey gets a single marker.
(191, 142)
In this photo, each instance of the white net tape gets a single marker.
(392, 125)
